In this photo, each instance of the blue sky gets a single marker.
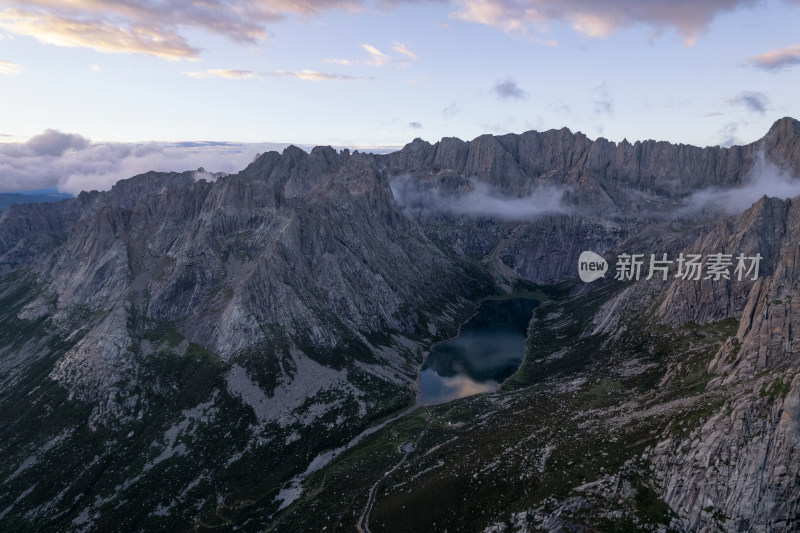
(376, 74)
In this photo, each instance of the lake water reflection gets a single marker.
(488, 350)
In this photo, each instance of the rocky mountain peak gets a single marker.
(782, 144)
(293, 152)
(126, 193)
(785, 127)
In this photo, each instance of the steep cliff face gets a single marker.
(646, 405)
(657, 380)
(734, 467)
(512, 161)
(594, 194)
(281, 309)
(310, 247)
(742, 463)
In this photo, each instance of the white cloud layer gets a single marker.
(233, 74)
(598, 18)
(764, 179)
(152, 27)
(481, 201)
(71, 163)
(97, 34)
(159, 27)
(377, 58)
(9, 67)
(778, 59)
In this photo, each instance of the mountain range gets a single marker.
(183, 354)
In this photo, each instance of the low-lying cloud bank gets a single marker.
(72, 163)
(481, 201)
(765, 178)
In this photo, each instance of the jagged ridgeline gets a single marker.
(175, 353)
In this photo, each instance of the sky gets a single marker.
(92, 91)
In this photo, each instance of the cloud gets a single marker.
(344, 62)
(312, 75)
(55, 143)
(509, 90)
(401, 48)
(71, 163)
(7, 67)
(752, 101)
(480, 201)
(595, 18)
(765, 178)
(232, 74)
(604, 104)
(507, 15)
(379, 59)
(728, 135)
(452, 109)
(415, 125)
(778, 59)
(159, 27)
(98, 35)
(201, 174)
(153, 27)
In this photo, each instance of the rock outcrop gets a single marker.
(742, 463)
